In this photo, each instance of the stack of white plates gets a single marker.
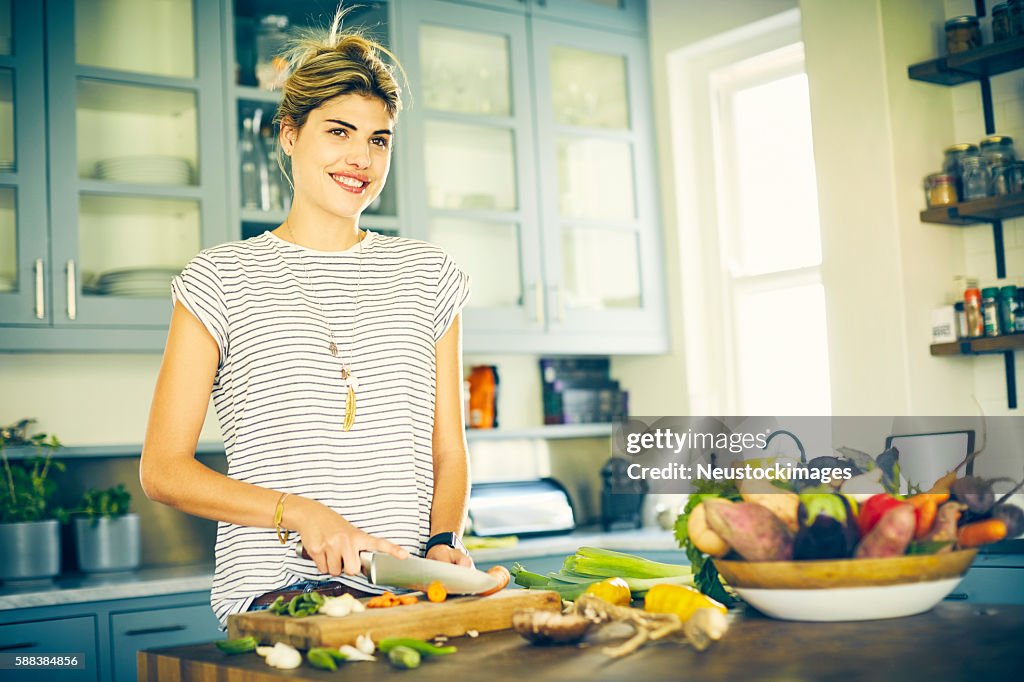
(7, 283)
(155, 170)
(133, 282)
(6, 166)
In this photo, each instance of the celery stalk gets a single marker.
(608, 564)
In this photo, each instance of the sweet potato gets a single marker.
(703, 538)
(780, 502)
(890, 536)
(752, 530)
(946, 519)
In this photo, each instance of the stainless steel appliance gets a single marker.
(536, 507)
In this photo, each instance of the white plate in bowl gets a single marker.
(849, 603)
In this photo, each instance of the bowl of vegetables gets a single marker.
(821, 554)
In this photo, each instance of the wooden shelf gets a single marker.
(980, 346)
(987, 210)
(964, 67)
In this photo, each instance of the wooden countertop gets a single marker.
(953, 641)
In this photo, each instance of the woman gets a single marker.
(334, 359)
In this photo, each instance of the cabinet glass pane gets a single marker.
(601, 268)
(611, 4)
(6, 121)
(134, 246)
(143, 36)
(589, 88)
(489, 253)
(8, 241)
(465, 71)
(470, 167)
(5, 28)
(595, 179)
(136, 134)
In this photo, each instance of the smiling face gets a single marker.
(341, 156)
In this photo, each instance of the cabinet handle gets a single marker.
(957, 596)
(40, 290)
(153, 631)
(19, 645)
(72, 294)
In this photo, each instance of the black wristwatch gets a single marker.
(448, 539)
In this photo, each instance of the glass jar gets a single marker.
(951, 162)
(974, 176)
(940, 189)
(1002, 29)
(271, 36)
(962, 34)
(1008, 311)
(1016, 16)
(997, 149)
(1005, 179)
(972, 311)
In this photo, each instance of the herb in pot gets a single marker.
(27, 489)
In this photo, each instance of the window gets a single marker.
(762, 312)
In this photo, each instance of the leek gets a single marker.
(604, 563)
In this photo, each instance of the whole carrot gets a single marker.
(981, 533)
(926, 507)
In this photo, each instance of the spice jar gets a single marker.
(990, 310)
(940, 189)
(974, 177)
(962, 34)
(1008, 311)
(271, 39)
(1002, 29)
(972, 311)
(1005, 179)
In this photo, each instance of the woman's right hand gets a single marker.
(332, 542)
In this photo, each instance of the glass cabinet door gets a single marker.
(602, 262)
(24, 284)
(133, 194)
(470, 152)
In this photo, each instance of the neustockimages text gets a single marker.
(707, 472)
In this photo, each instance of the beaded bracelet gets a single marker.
(282, 534)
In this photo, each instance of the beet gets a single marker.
(975, 492)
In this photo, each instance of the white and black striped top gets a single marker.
(280, 399)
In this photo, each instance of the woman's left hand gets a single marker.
(450, 555)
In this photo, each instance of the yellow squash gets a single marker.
(680, 600)
(613, 590)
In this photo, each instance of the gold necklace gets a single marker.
(347, 375)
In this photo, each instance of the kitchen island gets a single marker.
(954, 641)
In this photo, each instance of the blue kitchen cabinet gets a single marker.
(131, 631)
(108, 633)
(533, 165)
(62, 637)
(133, 165)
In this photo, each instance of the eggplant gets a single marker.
(828, 527)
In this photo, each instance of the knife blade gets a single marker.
(415, 573)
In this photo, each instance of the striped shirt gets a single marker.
(280, 399)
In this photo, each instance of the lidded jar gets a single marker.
(962, 33)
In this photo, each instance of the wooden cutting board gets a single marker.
(423, 620)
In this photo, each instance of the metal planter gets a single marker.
(108, 544)
(31, 550)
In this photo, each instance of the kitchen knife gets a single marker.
(416, 574)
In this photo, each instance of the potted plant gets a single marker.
(106, 534)
(29, 531)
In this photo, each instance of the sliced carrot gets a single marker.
(436, 592)
(503, 576)
(405, 599)
(981, 533)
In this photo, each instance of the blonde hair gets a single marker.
(324, 66)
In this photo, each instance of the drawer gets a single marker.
(985, 585)
(155, 628)
(61, 636)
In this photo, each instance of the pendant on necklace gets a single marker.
(333, 348)
(350, 401)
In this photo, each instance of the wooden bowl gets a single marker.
(830, 573)
(847, 589)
